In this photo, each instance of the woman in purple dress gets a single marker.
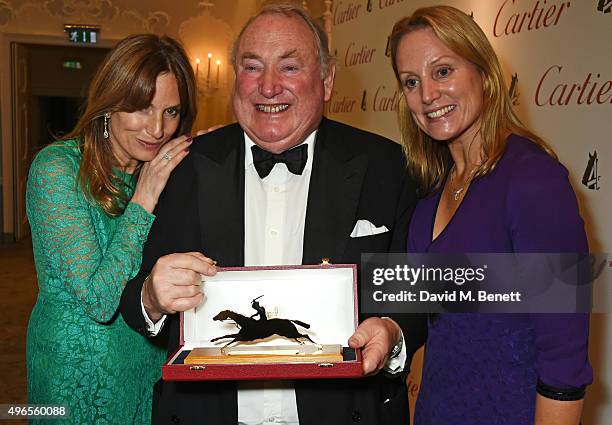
(488, 185)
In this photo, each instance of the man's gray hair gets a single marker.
(290, 10)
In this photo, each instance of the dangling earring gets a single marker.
(106, 117)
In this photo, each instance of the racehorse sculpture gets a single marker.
(251, 329)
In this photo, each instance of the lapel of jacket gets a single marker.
(219, 165)
(333, 195)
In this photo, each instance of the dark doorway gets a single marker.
(49, 89)
(58, 116)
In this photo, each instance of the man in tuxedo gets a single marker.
(283, 186)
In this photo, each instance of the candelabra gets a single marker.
(206, 82)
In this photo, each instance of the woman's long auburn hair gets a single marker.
(125, 82)
(429, 160)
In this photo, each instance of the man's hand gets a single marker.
(377, 337)
(175, 283)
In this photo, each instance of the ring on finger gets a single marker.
(167, 156)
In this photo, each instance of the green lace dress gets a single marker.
(80, 352)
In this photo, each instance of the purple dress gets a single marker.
(483, 368)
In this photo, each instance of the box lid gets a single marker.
(325, 297)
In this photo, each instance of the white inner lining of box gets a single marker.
(321, 297)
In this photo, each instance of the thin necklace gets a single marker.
(458, 192)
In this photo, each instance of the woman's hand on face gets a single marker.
(155, 173)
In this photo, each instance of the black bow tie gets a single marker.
(294, 159)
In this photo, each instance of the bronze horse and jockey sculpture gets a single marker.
(251, 329)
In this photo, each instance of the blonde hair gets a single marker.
(430, 161)
(125, 82)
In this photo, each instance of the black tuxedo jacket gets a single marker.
(355, 175)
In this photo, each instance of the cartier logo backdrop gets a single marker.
(557, 57)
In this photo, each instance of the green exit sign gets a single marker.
(87, 34)
(72, 64)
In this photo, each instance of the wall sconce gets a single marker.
(206, 86)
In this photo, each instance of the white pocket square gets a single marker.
(365, 228)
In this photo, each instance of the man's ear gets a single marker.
(328, 82)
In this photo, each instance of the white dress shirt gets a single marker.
(274, 219)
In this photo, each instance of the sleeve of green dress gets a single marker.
(68, 228)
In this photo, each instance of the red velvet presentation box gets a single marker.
(322, 296)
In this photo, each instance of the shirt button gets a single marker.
(273, 232)
(276, 189)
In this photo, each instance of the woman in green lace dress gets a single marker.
(90, 200)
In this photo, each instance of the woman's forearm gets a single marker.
(555, 412)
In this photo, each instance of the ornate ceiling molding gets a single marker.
(47, 15)
(6, 13)
(97, 9)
